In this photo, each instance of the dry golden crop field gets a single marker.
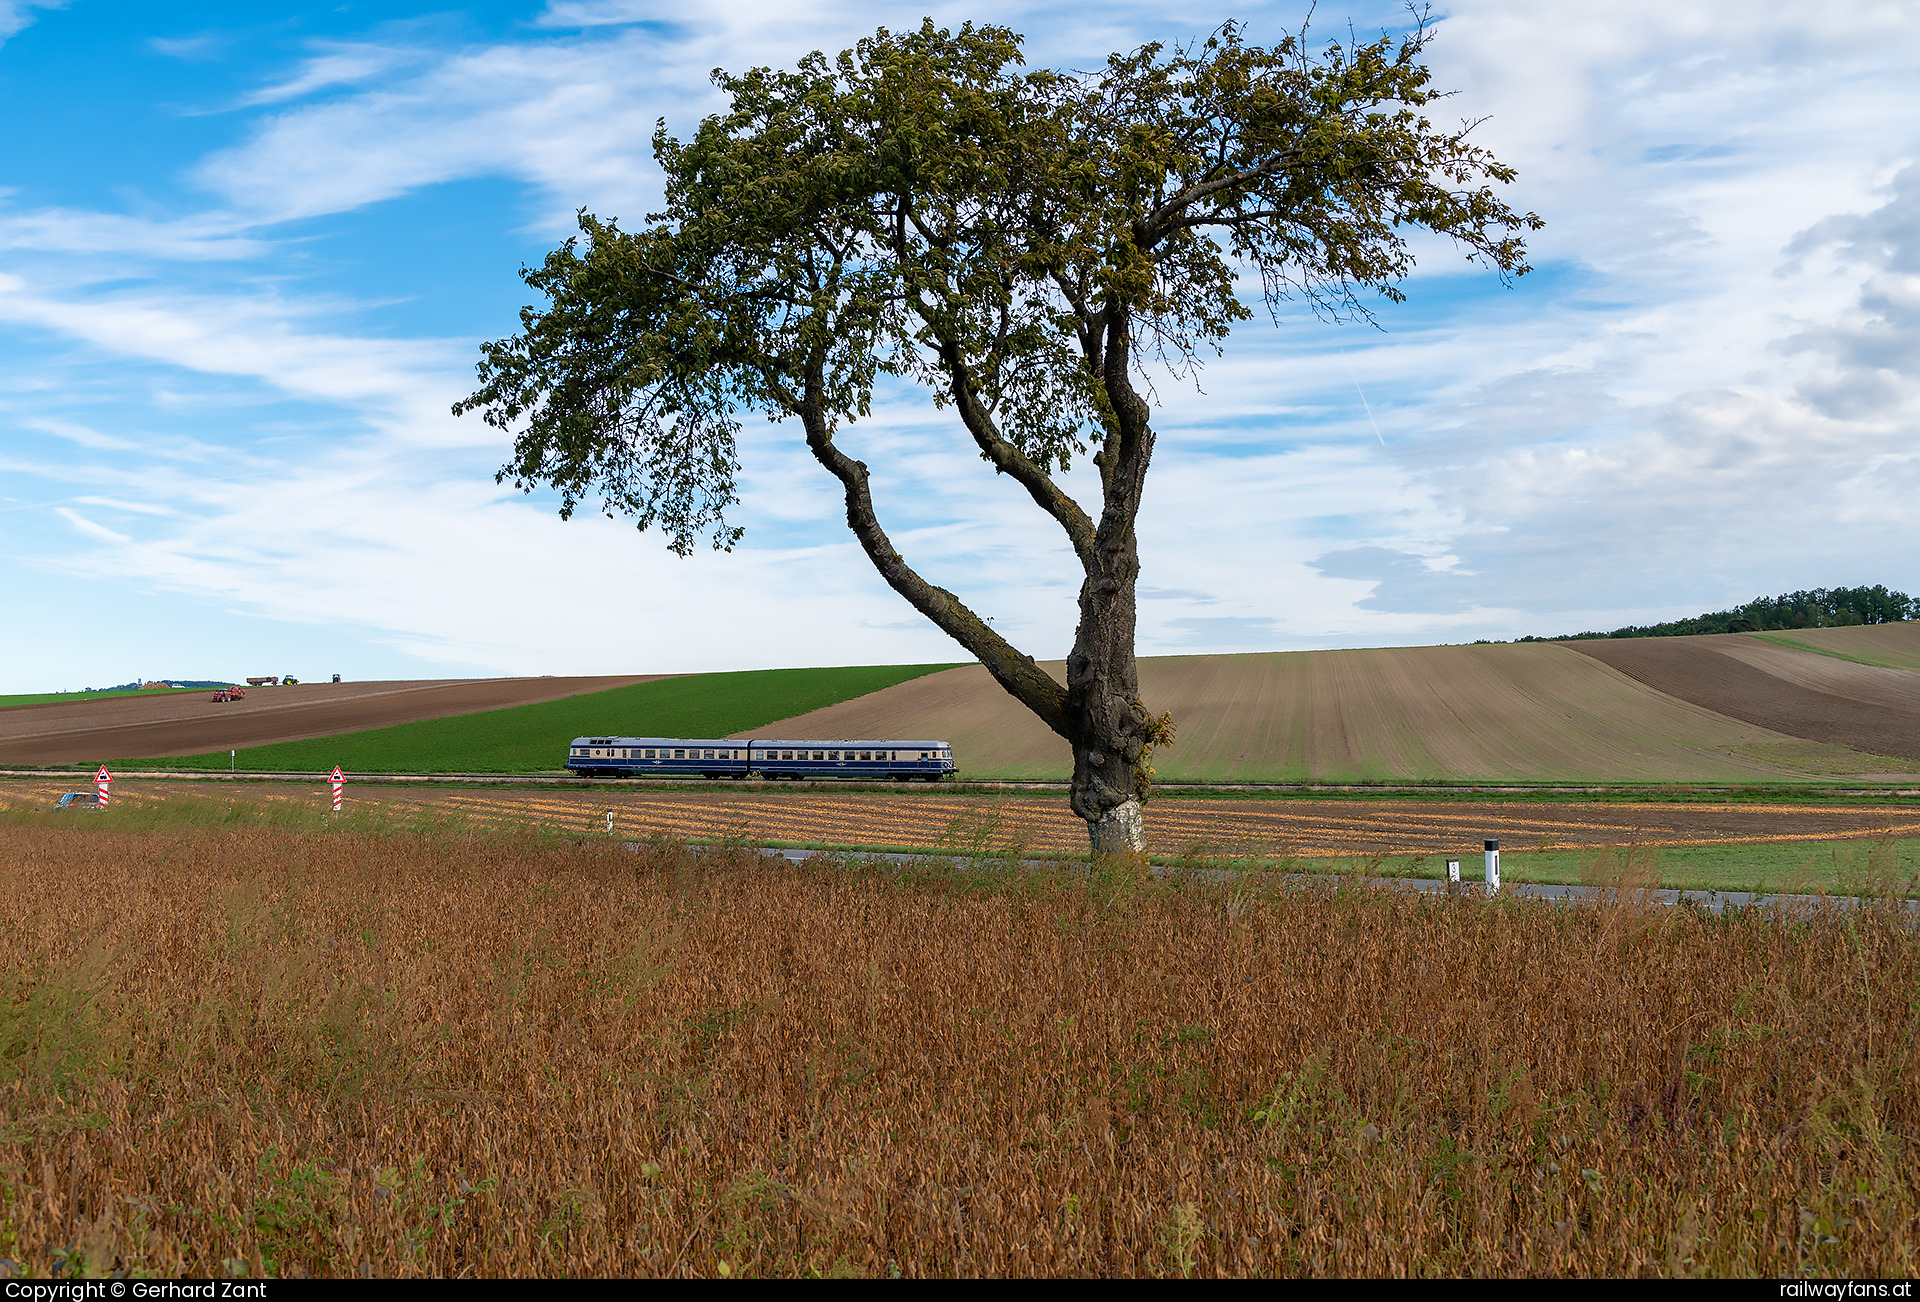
(1304, 829)
(266, 1051)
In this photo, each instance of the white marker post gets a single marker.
(233, 761)
(339, 781)
(1453, 871)
(101, 781)
(1493, 867)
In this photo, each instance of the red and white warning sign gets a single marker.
(337, 778)
(101, 781)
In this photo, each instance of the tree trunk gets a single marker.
(1110, 727)
(1104, 711)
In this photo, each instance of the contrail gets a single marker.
(1363, 397)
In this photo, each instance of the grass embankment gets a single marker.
(1889, 646)
(252, 1050)
(1874, 868)
(1877, 870)
(533, 738)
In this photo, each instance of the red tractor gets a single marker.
(230, 694)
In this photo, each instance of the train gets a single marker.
(759, 757)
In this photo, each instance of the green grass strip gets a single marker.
(1829, 652)
(69, 698)
(1855, 867)
(533, 738)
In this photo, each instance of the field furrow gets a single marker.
(976, 824)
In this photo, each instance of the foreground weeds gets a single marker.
(263, 1050)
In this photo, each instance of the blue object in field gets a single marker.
(78, 800)
(760, 757)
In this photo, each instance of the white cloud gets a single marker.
(340, 65)
(209, 237)
(80, 434)
(16, 14)
(115, 504)
(573, 118)
(89, 528)
(409, 382)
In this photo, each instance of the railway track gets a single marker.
(1170, 790)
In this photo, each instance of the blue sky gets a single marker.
(246, 260)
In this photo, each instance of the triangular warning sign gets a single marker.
(336, 776)
(103, 775)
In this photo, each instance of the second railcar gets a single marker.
(640, 757)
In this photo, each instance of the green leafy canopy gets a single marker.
(1024, 243)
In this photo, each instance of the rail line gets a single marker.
(1169, 790)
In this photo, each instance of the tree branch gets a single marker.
(1011, 668)
(1153, 225)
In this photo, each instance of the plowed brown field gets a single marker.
(1800, 693)
(189, 723)
(1307, 829)
(1528, 711)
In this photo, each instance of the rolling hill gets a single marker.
(1521, 712)
(1810, 705)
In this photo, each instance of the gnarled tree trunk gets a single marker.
(1110, 727)
(1099, 713)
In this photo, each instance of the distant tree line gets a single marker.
(1818, 608)
(136, 684)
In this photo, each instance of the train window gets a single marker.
(833, 754)
(680, 754)
(708, 755)
(819, 755)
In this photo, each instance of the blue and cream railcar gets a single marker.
(667, 757)
(639, 757)
(901, 761)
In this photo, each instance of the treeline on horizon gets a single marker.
(1818, 608)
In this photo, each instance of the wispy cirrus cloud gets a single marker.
(337, 65)
(16, 14)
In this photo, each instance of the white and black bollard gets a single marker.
(1453, 872)
(609, 822)
(1493, 867)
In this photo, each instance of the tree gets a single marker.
(1030, 246)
